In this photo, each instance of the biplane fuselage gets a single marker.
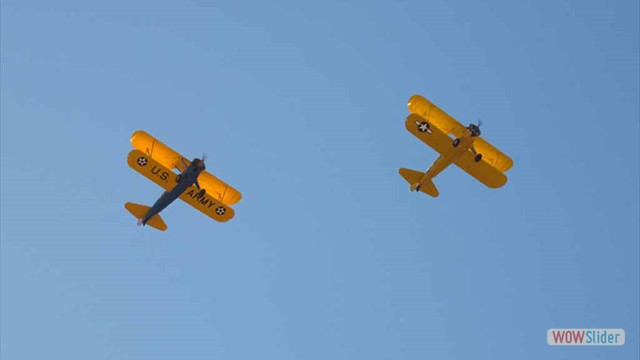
(193, 184)
(185, 180)
(456, 144)
(443, 161)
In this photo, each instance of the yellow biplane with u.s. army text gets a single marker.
(192, 184)
(466, 149)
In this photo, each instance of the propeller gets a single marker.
(201, 162)
(475, 129)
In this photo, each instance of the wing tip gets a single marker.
(136, 134)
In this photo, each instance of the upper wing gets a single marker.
(425, 108)
(160, 152)
(482, 171)
(493, 156)
(218, 188)
(429, 134)
(166, 178)
(173, 160)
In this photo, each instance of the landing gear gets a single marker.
(456, 142)
(178, 177)
(200, 194)
(478, 158)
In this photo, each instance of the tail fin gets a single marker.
(413, 177)
(139, 211)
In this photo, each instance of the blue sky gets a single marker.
(301, 106)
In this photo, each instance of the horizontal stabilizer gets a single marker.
(139, 211)
(413, 177)
(429, 188)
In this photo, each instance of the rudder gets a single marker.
(413, 177)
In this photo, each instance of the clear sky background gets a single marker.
(301, 106)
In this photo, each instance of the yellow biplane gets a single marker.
(466, 149)
(193, 184)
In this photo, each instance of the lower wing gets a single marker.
(429, 133)
(207, 205)
(481, 170)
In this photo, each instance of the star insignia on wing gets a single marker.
(424, 127)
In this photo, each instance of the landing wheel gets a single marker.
(178, 177)
(200, 193)
(456, 142)
(477, 158)
(418, 188)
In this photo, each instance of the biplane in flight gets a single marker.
(192, 184)
(466, 149)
